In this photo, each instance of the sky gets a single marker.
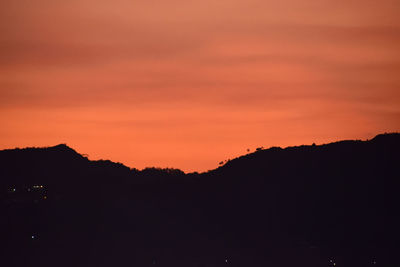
(187, 84)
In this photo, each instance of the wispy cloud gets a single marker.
(169, 78)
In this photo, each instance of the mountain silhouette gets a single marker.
(313, 205)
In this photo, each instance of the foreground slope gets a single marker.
(303, 205)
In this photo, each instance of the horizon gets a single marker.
(198, 171)
(189, 84)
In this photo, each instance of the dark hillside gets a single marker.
(299, 206)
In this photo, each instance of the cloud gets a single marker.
(209, 76)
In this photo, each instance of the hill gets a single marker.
(305, 206)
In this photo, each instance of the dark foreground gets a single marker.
(330, 205)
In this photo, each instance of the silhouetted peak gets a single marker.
(386, 137)
(63, 147)
(272, 157)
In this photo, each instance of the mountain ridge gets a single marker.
(67, 149)
(294, 206)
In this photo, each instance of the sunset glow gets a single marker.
(187, 84)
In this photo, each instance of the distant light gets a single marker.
(334, 264)
(226, 260)
(33, 237)
(45, 197)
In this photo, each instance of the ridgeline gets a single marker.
(312, 205)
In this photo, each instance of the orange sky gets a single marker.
(187, 84)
